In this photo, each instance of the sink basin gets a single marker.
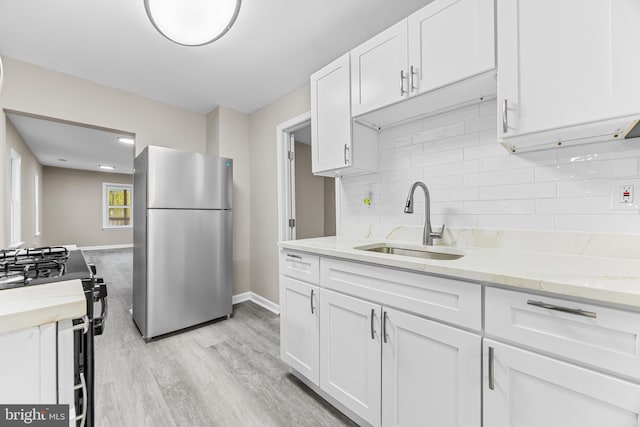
(412, 251)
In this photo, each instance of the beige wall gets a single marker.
(264, 188)
(28, 165)
(73, 208)
(36, 90)
(329, 207)
(228, 136)
(309, 196)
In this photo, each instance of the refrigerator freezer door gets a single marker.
(189, 277)
(186, 180)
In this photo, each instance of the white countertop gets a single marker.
(611, 280)
(40, 304)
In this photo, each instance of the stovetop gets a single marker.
(25, 267)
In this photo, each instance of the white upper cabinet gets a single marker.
(445, 42)
(450, 40)
(566, 70)
(380, 76)
(332, 131)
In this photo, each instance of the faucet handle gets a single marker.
(438, 234)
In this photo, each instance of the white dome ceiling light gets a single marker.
(192, 22)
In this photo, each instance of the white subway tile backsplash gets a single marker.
(588, 170)
(517, 222)
(485, 150)
(543, 190)
(588, 188)
(400, 152)
(574, 205)
(447, 169)
(475, 182)
(448, 156)
(439, 133)
(467, 140)
(454, 194)
(511, 176)
(497, 207)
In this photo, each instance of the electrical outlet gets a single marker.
(622, 194)
(625, 194)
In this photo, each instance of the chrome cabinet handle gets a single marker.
(385, 336)
(311, 299)
(402, 77)
(576, 311)
(492, 381)
(294, 256)
(83, 386)
(413, 72)
(346, 150)
(505, 120)
(373, 330)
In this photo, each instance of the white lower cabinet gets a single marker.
(299, 327)
(430, 373)
(525, 389)
(395, 369)
(350, 353)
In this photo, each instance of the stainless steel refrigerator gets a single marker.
(182, 250)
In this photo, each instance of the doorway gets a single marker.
(307, 203)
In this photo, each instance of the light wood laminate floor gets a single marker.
(226, 373)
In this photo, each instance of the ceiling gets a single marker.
(271, 50)
(80, 146)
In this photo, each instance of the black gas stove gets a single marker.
(42, 266)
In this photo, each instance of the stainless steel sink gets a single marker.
(412, 251)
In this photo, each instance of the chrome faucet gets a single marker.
(428, 235)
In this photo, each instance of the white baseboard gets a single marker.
(99, 248)
(261, 301)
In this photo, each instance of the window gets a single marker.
(36, 202)
(116, 201)
(15, 234)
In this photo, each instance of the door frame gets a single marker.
(286, 173)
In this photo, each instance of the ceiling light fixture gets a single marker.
(126, 140)
(192, 22)
(107, 167)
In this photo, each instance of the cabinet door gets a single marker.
(331, 116)
(430, 373)
(450, 40)
(530, 390)
(350, 353)
(566, 63)
(379, 74)
(28, 371)
(299, 327)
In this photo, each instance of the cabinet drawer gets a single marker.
(609, 341)
(442, 299)
(301, 266)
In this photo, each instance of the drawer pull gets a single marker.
(373, 330)
(385, 336)
(492, 381)
(576, 311)
(294, 256)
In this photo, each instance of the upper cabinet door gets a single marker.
(450, 40)
(331, 116)
(565, 63)
(379, 74)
